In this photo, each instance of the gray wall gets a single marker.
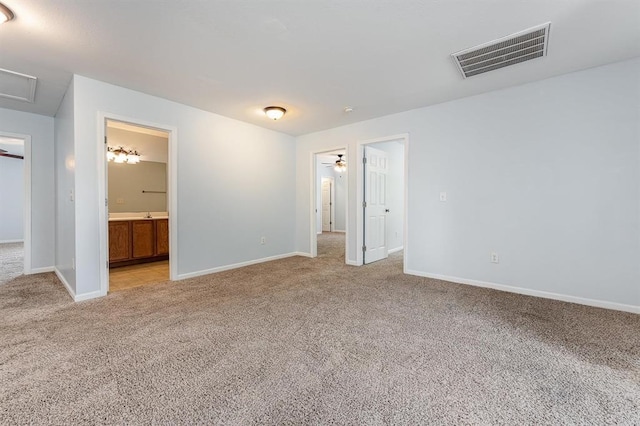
(127, 181)
(546, 174)
(40, 128)
(65, 163)
(11, 199)
(228, 195)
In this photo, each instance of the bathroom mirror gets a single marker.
(135, 187)
(140, 187)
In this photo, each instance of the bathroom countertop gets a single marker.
(116, 219)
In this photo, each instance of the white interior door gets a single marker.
(375, 199)
(326, 205)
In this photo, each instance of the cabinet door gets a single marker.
(162, 236)
(119, 241)
(143, 238)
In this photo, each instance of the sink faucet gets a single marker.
(148, 216)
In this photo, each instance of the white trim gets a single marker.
(529, 292)
(11, 241)
(239, 265)
(352, 263)
(394, 250)
(74, 296)
(301, 253)
(41, 270)
(65, 283)
(26, 214)
(340, 230)
(87, 296)
(360, 196)
(172, 196)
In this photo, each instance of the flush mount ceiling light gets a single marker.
(5, 14)
(274, 112)
(120, 155)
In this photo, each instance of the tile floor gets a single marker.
(137, 275)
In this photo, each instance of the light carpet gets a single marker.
(312, 341)
(11, 261)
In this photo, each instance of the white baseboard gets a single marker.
(339, 230)
(65, 283)
(236, 265)
(301, 253)
(352, 262)
(87, 296)
(74, 296)
(395, 250)
(529, 292)
(41, 270)
(11, 241)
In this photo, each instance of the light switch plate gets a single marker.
(443, 196)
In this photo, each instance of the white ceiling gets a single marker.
(312, 57)
(12, 145)
(331, 157)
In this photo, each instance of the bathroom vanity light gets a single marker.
(6, 14)
(274, 112)
(120, 155)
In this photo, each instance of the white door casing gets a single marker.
(376, 167)
(327, 218)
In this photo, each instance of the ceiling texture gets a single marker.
(312, 57)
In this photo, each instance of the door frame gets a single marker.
(332, 200)
(26, 205)
(359, 171)
(172, 193)
(313, 190)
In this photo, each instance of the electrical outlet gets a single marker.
(119, 200)
(443, 196)
(495, 258)
(263, 240)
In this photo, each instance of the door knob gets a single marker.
(386, 210)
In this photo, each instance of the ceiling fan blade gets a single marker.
(3, 150)
(2, 154)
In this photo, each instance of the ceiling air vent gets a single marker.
(14, 85)
(510, 50)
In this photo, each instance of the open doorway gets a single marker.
(329, 204)
(381, 183)
(137, 183)
(15, 211)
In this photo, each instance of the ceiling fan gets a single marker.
(340, 164)
(5, 153)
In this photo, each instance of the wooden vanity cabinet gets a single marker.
(143, 234)
(162, 236)
(138, 241)
(119, 241)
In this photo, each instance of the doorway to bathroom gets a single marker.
(137, 188)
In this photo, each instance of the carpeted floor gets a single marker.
(312, 341)
(11, 261)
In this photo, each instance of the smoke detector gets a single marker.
(513, 49)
